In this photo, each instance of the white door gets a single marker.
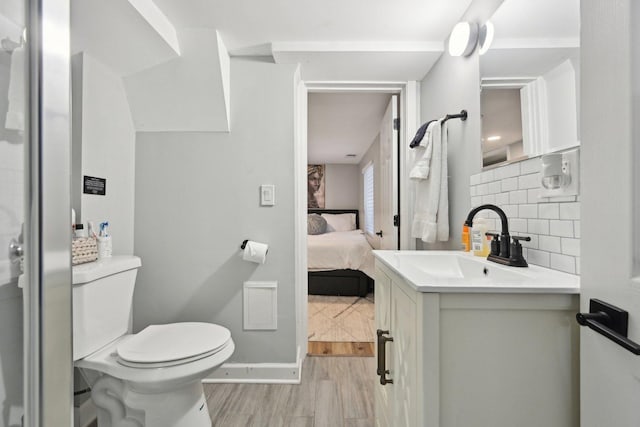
(610, 207)
(386, 230)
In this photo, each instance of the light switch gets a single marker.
(267, 195)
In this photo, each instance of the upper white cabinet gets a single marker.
(476, 359)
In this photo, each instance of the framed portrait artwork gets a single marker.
(315, 186)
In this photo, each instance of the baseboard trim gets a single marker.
(258, 373)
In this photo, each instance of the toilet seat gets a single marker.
(171, 344)
(159, 375)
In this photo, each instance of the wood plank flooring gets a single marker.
(333, 348)
(335, 392)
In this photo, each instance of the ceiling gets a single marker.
(337, 40)
(332, 40)
(396, 40)
(244, 23)
(343, 123)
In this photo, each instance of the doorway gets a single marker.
(353, 168)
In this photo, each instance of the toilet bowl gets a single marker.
(153, 377)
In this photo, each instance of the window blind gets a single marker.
(368, 199)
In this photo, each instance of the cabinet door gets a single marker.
(383, 400)
(404, 354)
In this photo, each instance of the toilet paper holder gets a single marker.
(244, 244)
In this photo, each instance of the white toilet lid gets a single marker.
(171, 342)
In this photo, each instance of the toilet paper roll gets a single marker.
(255, 252)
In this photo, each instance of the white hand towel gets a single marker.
(424, 154)
(431, 211)
(16, 95)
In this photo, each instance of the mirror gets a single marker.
(530, 79)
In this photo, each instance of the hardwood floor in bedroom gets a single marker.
(331, 348)
(334, 391)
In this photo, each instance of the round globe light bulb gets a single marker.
(463, 39)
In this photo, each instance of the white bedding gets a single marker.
(340, 250)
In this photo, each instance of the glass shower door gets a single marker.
(35, 321)
(12, 172)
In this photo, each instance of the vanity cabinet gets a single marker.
(475, 359)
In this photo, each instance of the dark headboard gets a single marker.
(338, 211)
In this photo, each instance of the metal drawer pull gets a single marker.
(382, 356)
(610, 321)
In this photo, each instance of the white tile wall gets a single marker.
(552, 223)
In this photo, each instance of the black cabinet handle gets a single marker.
(382, 356)
(610, 321)
(379, 233)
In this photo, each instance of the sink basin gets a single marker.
(453, 271)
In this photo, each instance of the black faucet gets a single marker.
(503, 251)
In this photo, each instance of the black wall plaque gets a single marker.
(93, 185)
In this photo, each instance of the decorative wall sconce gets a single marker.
(463, 39)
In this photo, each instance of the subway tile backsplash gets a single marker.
(552, 223)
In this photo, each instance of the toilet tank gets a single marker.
(102, 301)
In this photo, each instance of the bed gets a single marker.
(339, 262)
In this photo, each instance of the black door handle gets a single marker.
(379, 233)
(610, 321)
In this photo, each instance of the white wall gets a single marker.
(186, 94)
(341, 186)
(108, 151)
(453, 84)
(562, 107)
(197, 199)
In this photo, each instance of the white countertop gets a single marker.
(461, 272)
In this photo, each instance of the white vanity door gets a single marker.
(404, 363)
(610, 246)
(383, 393)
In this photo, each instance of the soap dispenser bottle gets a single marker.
(466, 238)
(479, 241)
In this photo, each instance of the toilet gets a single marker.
(152, 378)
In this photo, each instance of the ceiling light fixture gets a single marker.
(463, 39)
(485, 37)
(494, 138)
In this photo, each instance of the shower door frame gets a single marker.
(48, 364)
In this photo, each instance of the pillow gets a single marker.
(316, 224)
(340, 222)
